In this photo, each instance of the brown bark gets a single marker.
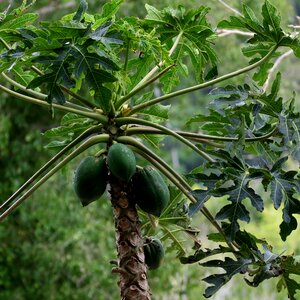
(133, 282)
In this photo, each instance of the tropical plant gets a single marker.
(103, 73)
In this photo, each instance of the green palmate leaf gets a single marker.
(58, 145)
(71, 118)
(262, 74)
(159, 112)
(257, 49)
(141, 67)
(291, 266)
(196, 35)
(55, 92)
(201, 254)
(281, 182)
(20, 76)
(241, 190)
(268, 30)
(154, 14)
(214, 117)
(291, 285)
(62, 30)
(236, 187)
(289, 223)
(44, 44)
(153, 140)
(269, 267)
(275, 89)
(291, 42)
(77, 59)
(169, 80)
(289, 126)
(231, 267)
(59, 74)
(101, 35)
(202, 195)
(230, 95)
(83, 6)
(110, 9)
(70, 124)
(271, 20)
(296, 152)
(283, 186)
(12, 22)
(70, 130)
(267, 34)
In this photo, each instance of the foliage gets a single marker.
(93, 67)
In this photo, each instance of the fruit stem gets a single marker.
(173, 237)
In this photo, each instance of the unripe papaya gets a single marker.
(90, 179)
(154, 252)
(121, 161)
(151, 193)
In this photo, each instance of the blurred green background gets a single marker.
(52, 248)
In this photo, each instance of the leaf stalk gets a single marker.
(87, 144)
(67, 108)
(144, 105)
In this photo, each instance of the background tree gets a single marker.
(164, 14)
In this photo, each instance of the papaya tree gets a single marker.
(115, 79)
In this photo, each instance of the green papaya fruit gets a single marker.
(121, 161)
(151, 193)
(154, 252)
(90, 179)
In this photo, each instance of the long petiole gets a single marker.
(39, 72)
(38, 95)
(198, 137)
(92, 115)
(72, 144)
(142, 86)
(156, 68)
(128, 120)
(87, 144)
(78, 97)
(144, 105)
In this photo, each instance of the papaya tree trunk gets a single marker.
(133, 282)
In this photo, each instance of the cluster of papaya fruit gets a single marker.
(149, 190)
